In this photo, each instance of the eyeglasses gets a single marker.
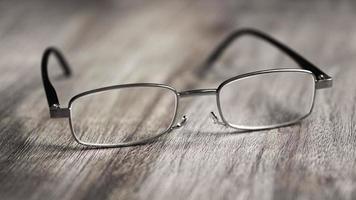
(144, 111)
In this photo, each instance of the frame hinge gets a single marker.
(323, 82)
(55, 111)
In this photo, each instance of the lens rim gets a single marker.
(247, 75)
(115, 87)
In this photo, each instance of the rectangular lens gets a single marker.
(267, 100)
(123, 115)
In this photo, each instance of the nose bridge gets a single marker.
(198, 92)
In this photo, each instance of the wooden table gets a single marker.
(160, 41)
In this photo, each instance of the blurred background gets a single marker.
(164, 35)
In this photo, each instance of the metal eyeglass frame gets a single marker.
(322, 80)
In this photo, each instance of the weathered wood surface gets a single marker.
(111, 42)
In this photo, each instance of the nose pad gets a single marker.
(181, 123)
(216, 119)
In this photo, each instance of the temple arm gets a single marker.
(51, 94)
(323, 80)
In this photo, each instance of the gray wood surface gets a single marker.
(110, 42)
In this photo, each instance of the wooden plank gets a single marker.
(136, 41)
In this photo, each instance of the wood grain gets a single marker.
(115, 42)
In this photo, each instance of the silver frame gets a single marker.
(322, 80)
(115, 87)
(243, 76)
(178, 95)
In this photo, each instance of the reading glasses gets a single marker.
(132, 114)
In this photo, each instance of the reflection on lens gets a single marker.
(123, 115)
(267, 100)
